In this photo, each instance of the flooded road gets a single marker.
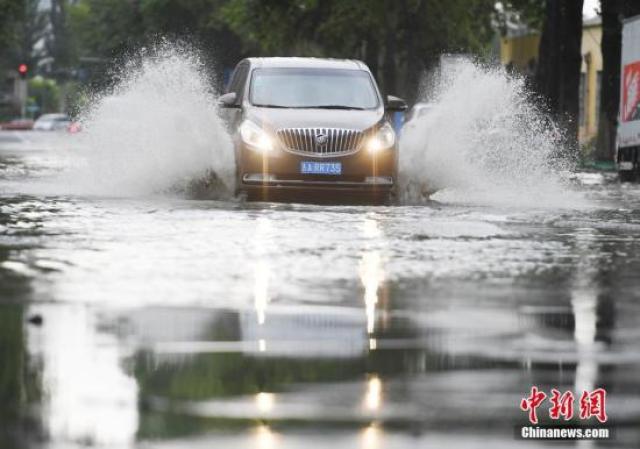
(166, 322)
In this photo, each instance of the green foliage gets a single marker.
(405, 36)
(104, 28)
(45, 93)
(11, 14)
(76, 97)
(527, 12)
(397, 39)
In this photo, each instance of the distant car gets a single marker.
(19, 124)
(74, 128)
(311, 125)
(52, 122)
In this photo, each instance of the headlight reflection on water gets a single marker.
(371, 275)
(262, 269)
(265, 438)
(370, 437)
(373, 396)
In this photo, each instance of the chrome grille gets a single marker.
(321, 141)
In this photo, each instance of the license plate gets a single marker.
(625, 165)
(320, 168)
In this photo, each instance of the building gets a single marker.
(519, 50)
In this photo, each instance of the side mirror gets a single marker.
(228, 100)
(395, 104)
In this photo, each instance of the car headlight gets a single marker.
(255, 137)
(384, 138)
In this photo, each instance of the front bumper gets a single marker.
(280, 170)
(370, 183)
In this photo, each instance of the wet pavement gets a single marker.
(176, 323)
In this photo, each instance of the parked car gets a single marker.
(52, 122)
(311, 125)
(18, 124)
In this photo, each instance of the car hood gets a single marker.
(275, 118)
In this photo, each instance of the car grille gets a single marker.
(321, 141)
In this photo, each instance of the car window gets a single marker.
(309, 88)
(237, 79)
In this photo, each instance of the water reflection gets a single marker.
(585, 294)
(265, 438)
(585, 297)
(371, 437)
(373, 395)
(371, 273)
(88, 398)
(264, 402)
(261, 290)
(372, 277)
(262, 244)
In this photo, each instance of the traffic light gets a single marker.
(23, 69)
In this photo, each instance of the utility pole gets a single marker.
(21, 89)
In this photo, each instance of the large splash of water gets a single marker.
(158, 129)
(484, 142)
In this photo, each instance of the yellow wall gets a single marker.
(591, 66)
(520, 50)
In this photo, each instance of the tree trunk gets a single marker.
(413, 67)
(558, 72)
(389, 65)
(372, 55)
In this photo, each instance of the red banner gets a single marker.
(631, 92)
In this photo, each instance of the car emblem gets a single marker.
(321, 139)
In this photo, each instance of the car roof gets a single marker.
(297, 62)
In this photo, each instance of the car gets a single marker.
(18, 124)
(311, 126)
(52, 122)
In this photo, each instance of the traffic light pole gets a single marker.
(23, 70)
(22, 96)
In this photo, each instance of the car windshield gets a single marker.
(313, 88)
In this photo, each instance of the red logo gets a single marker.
(531, 403)
(592, 404)
(562, 405)
(631, 92)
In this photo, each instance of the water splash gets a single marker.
(485, 142)
(158, 129)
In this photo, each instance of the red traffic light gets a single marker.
(23, 69)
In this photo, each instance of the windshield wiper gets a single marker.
(336, 106)
(272, 106)
(325, 106)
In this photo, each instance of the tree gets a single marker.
(104, 28)
(32, 29)
(558, 72)
(11, 12)
(58, 40)
(198, 22)
(518, 12)
(612, 12)
(398, 39)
